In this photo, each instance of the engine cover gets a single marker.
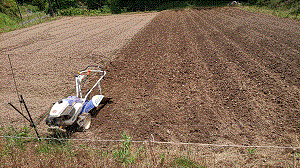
(64, 112)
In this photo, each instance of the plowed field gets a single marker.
(221, 75)
(47, 57)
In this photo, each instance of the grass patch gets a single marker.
(275, 12)
(24, 151)
(8, 24)
(6, 21)
(185, 162)
(19, 152)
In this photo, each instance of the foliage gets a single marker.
(55, 147)
(6, 21)
(114, 6)
(13, 141)
(32, 8)
(105, 9)
(41, 4)
(64, 4)
(95, 12)
(125, 154)
(95, 4)
(172, 5)
(273, 4)
(162, 159)
(185, 163)
(292, 7)
(72, 7)
(72, 12)
(10, 8)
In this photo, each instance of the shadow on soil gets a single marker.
(105, 101)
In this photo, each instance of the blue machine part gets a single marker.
(73, 99)
(87, 107)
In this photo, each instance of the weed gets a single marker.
(124, 155)
(162, 159)
(184, 162)
(13, 140)
(72, 11)
(105, 9)
(44, 148)
(251, 151)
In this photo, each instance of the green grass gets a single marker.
(6, 21)
(276, 12)
(185, 162)
(19, 152)
(9, 24)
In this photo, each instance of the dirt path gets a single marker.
(46, 57)
(219, 75)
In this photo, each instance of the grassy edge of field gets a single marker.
(14, 25)
(274, 12)
(18, 149)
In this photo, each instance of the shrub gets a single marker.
(6, 21)
(95, 12)
(32, 8)
(172, 5)
(114, 6)
(41, 4)
(105, 9)
(72, 12)
(125, 154)
(9, 7)
(295, 11)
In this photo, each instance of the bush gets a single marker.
(125, 154)
(114, 6)
(295, 11)
(172, 5)
(72, 12)
(274, 4)
(6, 21)
(41, 4)
(64, 4)
(95, 12)
(32, 8)
(9, 7)
(105, 9)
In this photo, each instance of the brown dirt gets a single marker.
(46, 57)
(221, 75)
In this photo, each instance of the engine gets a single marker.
(64, 112)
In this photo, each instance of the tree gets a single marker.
(41, 4)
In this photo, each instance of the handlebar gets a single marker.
(96, 66)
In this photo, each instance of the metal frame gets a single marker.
(80, 77)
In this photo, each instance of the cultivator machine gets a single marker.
(75, 111)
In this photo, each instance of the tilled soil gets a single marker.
(47, 57)
(221, 75)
